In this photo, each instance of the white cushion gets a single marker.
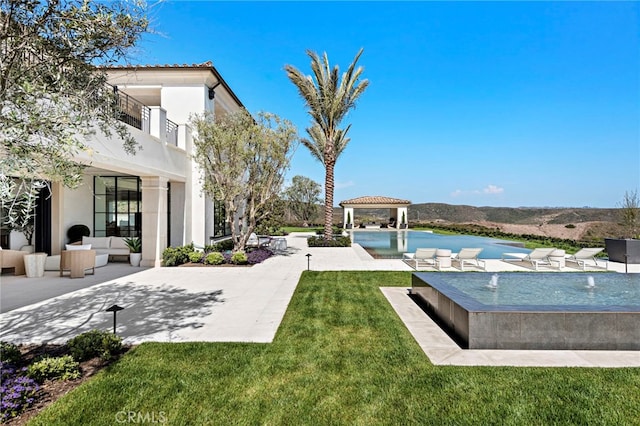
(118, 243)
(97, 242)
(78, 247)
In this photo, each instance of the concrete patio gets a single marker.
(236, 304)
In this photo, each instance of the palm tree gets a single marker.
(328, 99)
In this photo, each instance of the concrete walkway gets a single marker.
(226, 304)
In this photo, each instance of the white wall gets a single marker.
(155, 158)
(181, 101)
(77, 207)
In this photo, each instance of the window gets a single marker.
(117, 206)
(220, 226)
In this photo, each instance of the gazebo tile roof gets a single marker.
(376, 199)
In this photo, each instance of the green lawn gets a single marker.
(341, 356)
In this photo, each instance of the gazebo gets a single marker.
(397, 209)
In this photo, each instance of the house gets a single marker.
(155, 194)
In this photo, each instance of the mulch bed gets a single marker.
(52, 390)
(222, 265)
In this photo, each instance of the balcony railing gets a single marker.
(133, 112)
(172, 133)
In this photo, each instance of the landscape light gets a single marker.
(114, 309)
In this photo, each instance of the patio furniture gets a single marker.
(557, 257)
(582, 256)
(77, 262)
(537, 257)
(52, 263)
(469, 256)
(13, 259)
(278, 244)
(34, 264)
(443, 258)
(422, 256)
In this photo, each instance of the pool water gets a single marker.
(544, 310)
(552, 291)
(391, 244)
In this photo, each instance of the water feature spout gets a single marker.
(494, 281)
(591, 283)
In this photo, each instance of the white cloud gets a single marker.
(490, 189)
(340, 185)
(493, 189)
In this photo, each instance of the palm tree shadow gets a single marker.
(150, 313)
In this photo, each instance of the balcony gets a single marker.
(133, 112)
(150, 120)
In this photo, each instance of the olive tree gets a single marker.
(630, 214)
(53, 95)
(243, 162)
(303, 197)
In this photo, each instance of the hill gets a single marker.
(562, 222)
(520, 215)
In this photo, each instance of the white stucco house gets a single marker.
(155, 194)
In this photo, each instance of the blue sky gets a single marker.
(486, 104)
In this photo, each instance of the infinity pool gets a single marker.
(391, 244)
(535, 310)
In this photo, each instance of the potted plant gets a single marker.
(349, 224)
(23, 220)
(135, 247)
(27, 230)
(403, 223)
(627, 249)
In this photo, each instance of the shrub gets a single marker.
(17, 392)
(335, 242)
(94, 343)
(258, 255)
(220, 246)
(334, 229)
(196, 257)
(63, 367)
(174, 256)
(214, 258)
(10, 354)
(239, 258)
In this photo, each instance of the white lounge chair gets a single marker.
(582, 256)
(537, 257)
(422, 257)
(469, 256)
(252, 241)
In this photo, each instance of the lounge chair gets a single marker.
(422, 257)
(252, 241)
(585, 255)
(537, 257)
(255, 241)
(469, 256)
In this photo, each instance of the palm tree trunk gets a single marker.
(328, 200)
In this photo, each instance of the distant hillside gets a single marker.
(435, 212)
(572, 223)
(431, 212)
